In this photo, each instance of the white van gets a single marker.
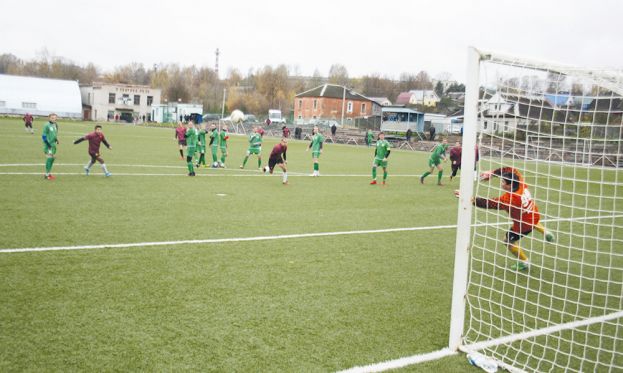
(275, 117)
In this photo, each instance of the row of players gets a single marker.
(516, 199)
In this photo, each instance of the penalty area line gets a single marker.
(223, 240)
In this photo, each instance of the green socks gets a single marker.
(244, 163)
(259, 163)
(190, 167)
(439, 175)
(425, 174)
(316, 166)
(374, 173)
(384, 175)
(213, 156)
(48, 165)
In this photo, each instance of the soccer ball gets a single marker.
(237, 116)
(215, 165)
(266, 169)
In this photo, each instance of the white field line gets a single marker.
(290, 174)
(223, 240)
(275, 237)
(402, 362)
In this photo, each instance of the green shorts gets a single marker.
(434, 162)
(223, 150)
(316, 154)
(201, 149)
(379, 162)
(190, 151)
(49, 149)
(214, 149)
(254, 151)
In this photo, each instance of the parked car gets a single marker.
(250, 119)
(210, 117)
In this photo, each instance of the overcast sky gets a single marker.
(385, 37)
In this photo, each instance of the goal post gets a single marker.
(553, 300)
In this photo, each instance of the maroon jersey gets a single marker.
(180, 133)
(455, 155)
(278, 150)
(95, 139)
(28, 118)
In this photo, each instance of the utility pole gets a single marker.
(343, 104)
(222, 109)
(216, 64)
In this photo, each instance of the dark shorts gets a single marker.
(182, 142)
(28, 124)
(512, 236)
(94, 155)
(272, 162)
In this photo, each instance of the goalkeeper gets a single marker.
(518, 202)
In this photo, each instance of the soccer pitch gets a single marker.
(308, 303)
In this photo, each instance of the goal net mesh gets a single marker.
(561, 128)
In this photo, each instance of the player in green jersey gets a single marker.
(381, 152)
(201, 146)
(438, 155)
(213, 134)
(192, 135)
(316, 146)
(369, 138)
(255, 147)
(223, 137)
(50, 140)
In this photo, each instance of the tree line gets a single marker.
(254, 92)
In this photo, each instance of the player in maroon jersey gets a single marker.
(95, 138)
(28, 123)
(180, 136)
(278, 157)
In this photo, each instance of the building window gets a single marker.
(29, 105)
(300, 104)
(485, 126)
(137, 99)
(363, 108)
(150, 100)
(300, 116)
(349, 107)
(315, 104)
(111, 98)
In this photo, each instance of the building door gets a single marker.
(86, 114)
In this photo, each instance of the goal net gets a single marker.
(559, 307)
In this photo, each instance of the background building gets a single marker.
(326, 102)
(171, 112)
(39, 96)
(118, 102)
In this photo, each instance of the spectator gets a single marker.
(143, 118)
(333, 129)
(286, 131)
(431, 130)
(267, 121)
(297, 133)
(408, 135)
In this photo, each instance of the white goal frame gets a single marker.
(608, 80)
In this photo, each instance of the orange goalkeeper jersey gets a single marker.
(519, 204)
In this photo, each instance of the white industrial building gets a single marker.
(175, 111)
(39, 96)
(118, 102)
